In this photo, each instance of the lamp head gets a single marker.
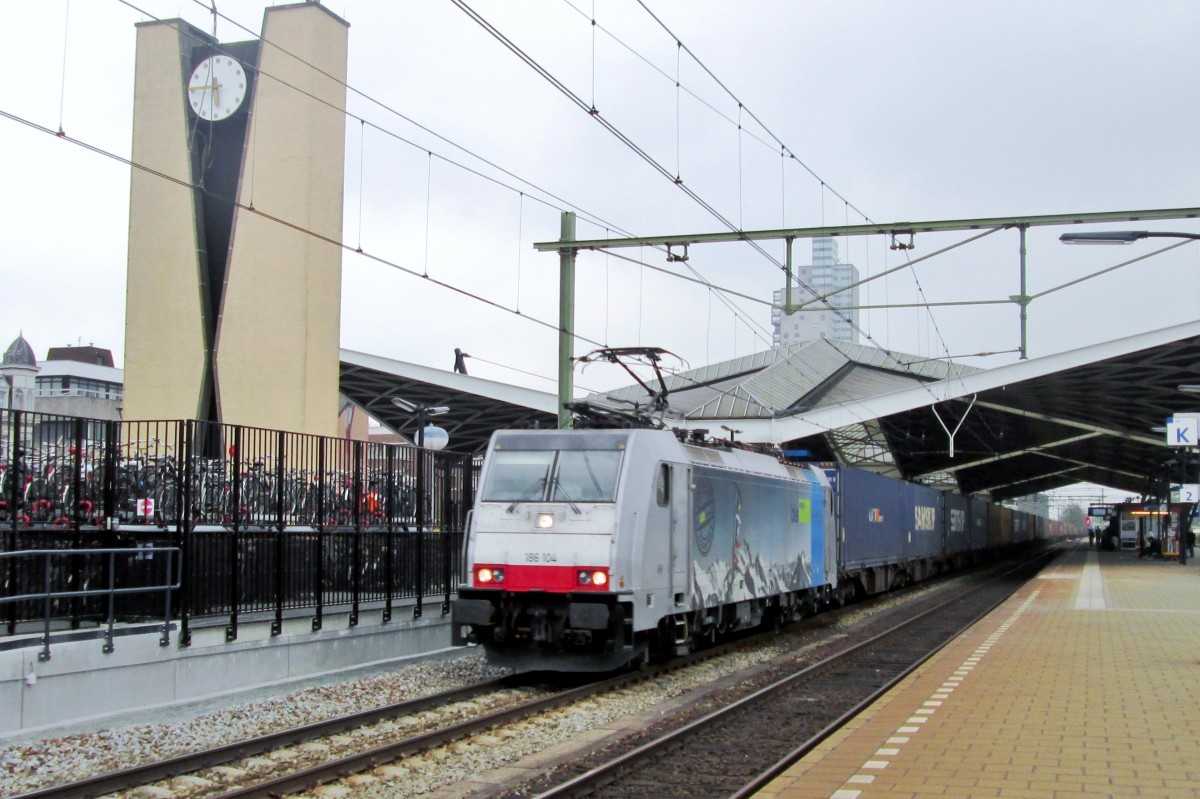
(1104, 237)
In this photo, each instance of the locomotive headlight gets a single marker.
(545, 521)
(486, 575)
(596, 578)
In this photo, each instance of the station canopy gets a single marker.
(1085, 416)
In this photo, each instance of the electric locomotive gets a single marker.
(588, 550)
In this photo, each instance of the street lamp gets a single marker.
(421, 411)
(1121, 236)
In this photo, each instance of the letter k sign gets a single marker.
(1181, 431)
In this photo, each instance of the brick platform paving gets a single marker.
(1085, 683)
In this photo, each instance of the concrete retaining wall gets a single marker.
(81, 683)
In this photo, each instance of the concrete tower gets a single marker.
(234, 292)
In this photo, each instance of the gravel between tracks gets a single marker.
(33, 764)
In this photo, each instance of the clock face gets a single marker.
(217, 88)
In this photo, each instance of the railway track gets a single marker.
(425, 724)
(197, 761)
(734, 750)
(411, 727)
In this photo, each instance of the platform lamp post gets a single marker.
(422, 413)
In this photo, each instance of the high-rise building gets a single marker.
(825, 276)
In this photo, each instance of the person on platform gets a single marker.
(1152, 549)
(1091, 537)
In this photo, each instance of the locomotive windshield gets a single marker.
(575, 475)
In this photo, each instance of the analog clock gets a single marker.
(217, 88)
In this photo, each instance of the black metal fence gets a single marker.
(267, 521)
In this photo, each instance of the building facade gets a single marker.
(827, 277)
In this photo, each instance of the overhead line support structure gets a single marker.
(566, 318)
(897, 228)
(567, 247)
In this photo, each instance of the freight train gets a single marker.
(591, 550)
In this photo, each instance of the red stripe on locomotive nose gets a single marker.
(529, 577)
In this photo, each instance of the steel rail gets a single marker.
(136, 776)
(335, 769)
(612, 770)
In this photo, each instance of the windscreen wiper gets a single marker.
(527, 494)
(558, 486)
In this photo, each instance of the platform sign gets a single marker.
(1189, 492)
(1181, 431)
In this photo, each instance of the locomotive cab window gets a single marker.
(663, 487)
(518, 475)
(577, 475)
(586, 475)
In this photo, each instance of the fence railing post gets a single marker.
(187, 521)
(235, 474)
(75, 516)
(16, 480)
(109, 466)
(448, 523)
(280, 524)
(421, 523)
(356, 550)
(389, 509)
(319, 571)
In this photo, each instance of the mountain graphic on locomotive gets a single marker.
(593, 549)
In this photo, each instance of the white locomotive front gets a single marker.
(588, 550)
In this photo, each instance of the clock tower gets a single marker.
(234, 291)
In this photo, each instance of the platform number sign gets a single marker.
(1181, 431)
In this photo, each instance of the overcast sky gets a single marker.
(906, 111)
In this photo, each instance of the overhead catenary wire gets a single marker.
(622, 137)
(761, 124)
(233, 202)
(490, 178)
(591, 110)
(584, 214)
(565, 204)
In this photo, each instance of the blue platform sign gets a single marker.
(1181, 431)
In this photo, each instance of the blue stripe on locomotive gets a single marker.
(817, 529)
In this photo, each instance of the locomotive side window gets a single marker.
(586, 476)
(663, 488)
(518, 475)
